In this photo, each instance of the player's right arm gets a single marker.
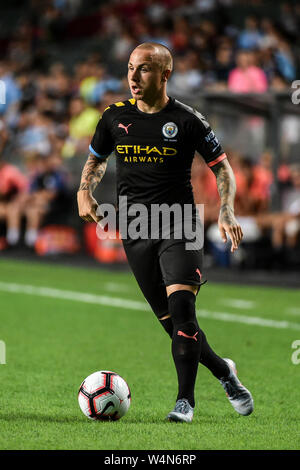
(92, 173)
(94, 169)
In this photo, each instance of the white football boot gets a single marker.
(182, 412)
(240, 398)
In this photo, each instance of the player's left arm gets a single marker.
(208, 145)
(227, 187)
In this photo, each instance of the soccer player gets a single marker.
(154, 138)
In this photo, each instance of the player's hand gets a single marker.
(229, 225)
(87, 207)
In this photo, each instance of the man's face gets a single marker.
(76, 107)
(145, 76)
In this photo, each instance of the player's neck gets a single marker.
(152, 106)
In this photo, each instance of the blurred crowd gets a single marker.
(273, 234)
(52, 106)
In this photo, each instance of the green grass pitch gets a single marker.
(54, 341)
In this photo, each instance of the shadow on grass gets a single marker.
(42, 418)
(157, 418)
(63, 419)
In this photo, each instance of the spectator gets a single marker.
(123, 45)
(3, 137)
(58, 84)
(251, 36)
(247, 77)
(223, 66)
(156, 11)
(48, 194)
(180, 35)
(205, 190)
(83, 119)
(288, 20)
(252, 199)
(284, 60)
(12, 93)
(13, 186)
(270, 34)
(187, 77)
(87, 85)
(278, 83)
(253, 186)
(28, 86)
(291, 207)
(283, 226)
(34, 132)
(103, 83)
(82, 125)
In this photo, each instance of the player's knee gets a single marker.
(182, 308)
(187, 330)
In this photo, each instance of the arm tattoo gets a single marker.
(92, 173)
(226, 188)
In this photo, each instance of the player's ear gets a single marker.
(165, 75)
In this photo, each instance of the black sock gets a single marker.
(186, 342)
(208, 357)
(218, 367)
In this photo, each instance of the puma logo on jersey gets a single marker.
(124, 127)
(181, 333)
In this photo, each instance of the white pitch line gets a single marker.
(137, 305)
(73, 295)
(116, 287)
(257, 321)
(293, 311)
(239, 303)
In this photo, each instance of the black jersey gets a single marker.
(155, 151)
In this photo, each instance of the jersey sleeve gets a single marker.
(205, 141)
(102, 144)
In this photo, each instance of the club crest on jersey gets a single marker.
(169, 130)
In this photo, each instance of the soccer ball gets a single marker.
(104, 396)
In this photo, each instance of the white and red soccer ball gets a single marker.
(104, 396)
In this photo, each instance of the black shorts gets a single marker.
(159, 263)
